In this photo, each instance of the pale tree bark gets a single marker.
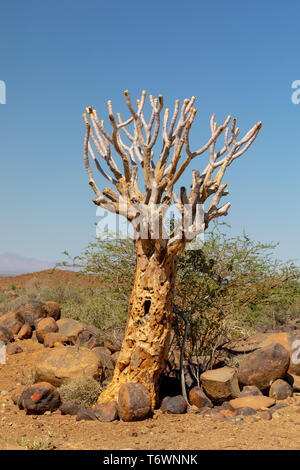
(150, 314)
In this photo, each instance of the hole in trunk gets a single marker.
(147, 305)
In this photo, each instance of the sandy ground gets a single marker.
(169, 432)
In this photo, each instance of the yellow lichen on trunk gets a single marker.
(145, 346)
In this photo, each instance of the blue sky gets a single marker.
(57, 57)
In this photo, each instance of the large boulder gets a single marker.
(52, 309)
(45, 325)
(263, 366)
(134, 402)
(255, 402)
(198, 398)
(174, 405)
(106, 412)
(39, 398)
(12, 321)
(291, 342)
(31, 311)
(70, 328)
(220, 384)
(62, 364)
(25, 332)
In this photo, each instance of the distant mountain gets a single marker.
(12, 264)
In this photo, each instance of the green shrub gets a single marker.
(82, 391)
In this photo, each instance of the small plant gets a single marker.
(82, 391)
(37, 444)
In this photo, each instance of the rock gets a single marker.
(45, 325)
(280, 390)
(246, 411)
(294, 381)
(70, 328)
(277, 407)
(61, 365)
(54, 339)
(255, 402)
(15, 397)
(25, 332)
(115, 357)
(106, 412)
(134, 402)
(111, 347)
(250, 390)
(291, 342)
(193, 409)
(197, 397)
(93, 343)
(52, 309)
(31, 311)
(265, 414)
(264, 365)
(68, 408)
(213, 414)
(106, 361)
(39, 398)
(220, 384)
(86, 414)
(5, 335)
(12, 321)
(174, 405)
(13, 348)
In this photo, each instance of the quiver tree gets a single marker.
(144, 190)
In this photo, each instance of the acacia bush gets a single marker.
(229, 286)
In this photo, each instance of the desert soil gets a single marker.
(189, 431)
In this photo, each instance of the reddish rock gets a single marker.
(245, 411)
(111, 347)
(291, 342)
(263, 366)
(13, 348)
(93, 343)
(5, 335)
(31, 311)
(134, 402)
(265, 414)
(280, 390)
(115, 357)
(12, 321)
(198, 398)
(39, 398)
(213, 414)
(106, 412)
(25, 332)
(85, 414)
(62, 364)
(70, 328)
(15, 397)
(68, 408)
(255, 402)
(220, 384)
(250, 390)
(52, 309)
(52, 340)
(174, 405)
(43, 326)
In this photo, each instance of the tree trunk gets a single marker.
(146, 343)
